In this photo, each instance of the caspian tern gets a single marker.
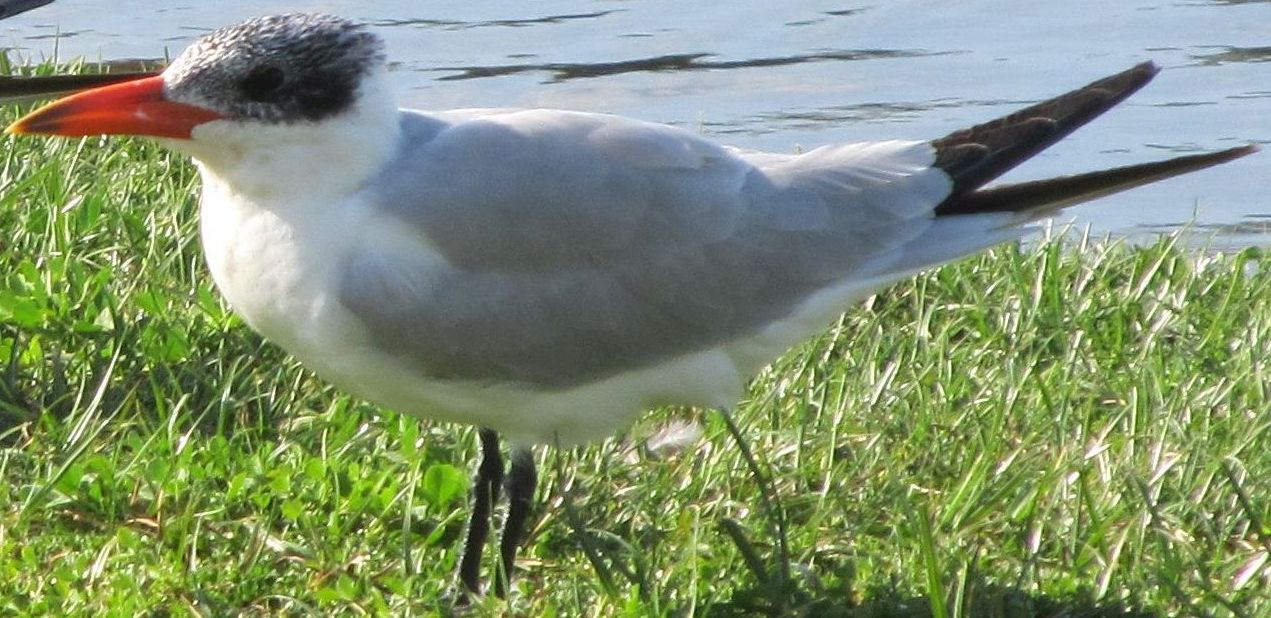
(547, 274)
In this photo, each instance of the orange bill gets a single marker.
(136, 107)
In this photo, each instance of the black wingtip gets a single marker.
(973, 157)
(1147, 67)
(1041, 198)
(15, 89)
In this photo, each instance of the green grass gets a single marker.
(1062, 430)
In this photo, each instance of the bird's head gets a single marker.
(271, 81)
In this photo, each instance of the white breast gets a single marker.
(279, 270)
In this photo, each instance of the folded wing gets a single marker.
(583, 245)
(578, 246)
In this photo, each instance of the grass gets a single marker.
(1068, 429)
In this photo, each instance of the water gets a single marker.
(785, 75)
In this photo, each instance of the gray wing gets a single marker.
(582, 245)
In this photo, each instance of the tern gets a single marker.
(548, 275)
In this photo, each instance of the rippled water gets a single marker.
(787, 75)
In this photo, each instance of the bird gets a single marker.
(549, 275)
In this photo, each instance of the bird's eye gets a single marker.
(261, 83)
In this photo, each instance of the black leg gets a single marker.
(521, 483)
(485, 492)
